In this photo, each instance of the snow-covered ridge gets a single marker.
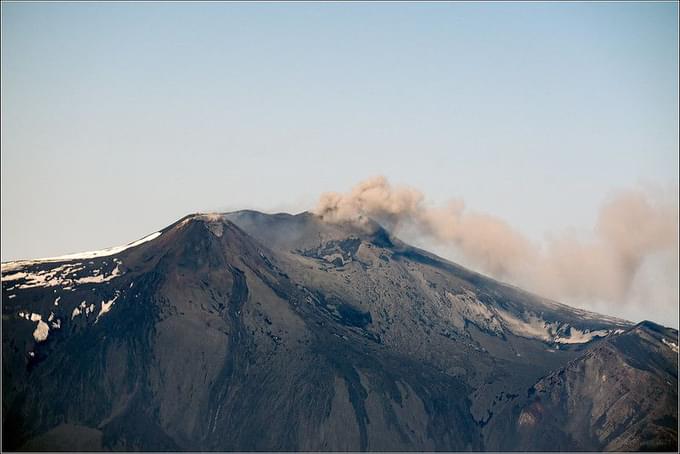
(12, 266)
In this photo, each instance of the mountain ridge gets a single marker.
(187, 332)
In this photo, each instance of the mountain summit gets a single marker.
(251, 331)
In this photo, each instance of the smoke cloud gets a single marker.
(628, 265)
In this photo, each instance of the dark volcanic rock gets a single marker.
(247, 331)
(619, 396)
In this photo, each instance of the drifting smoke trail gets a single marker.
(635, 238)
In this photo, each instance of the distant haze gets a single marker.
(556, 123)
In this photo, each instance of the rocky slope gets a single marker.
(246, 331)
(618, 396)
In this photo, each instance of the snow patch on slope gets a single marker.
(534, 327)
(466, 307)
(42, 329)
(61, 276)
(11, 266)
(106, 307)
(672, 345)
(81, 308)
(580, 337)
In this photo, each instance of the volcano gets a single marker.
(248, 331)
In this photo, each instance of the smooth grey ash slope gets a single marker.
(247, 331)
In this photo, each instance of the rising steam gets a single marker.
(631, 259)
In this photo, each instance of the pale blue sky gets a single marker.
(118, 119)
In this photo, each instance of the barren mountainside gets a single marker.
(249, 331)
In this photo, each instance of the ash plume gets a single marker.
(629, 261)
